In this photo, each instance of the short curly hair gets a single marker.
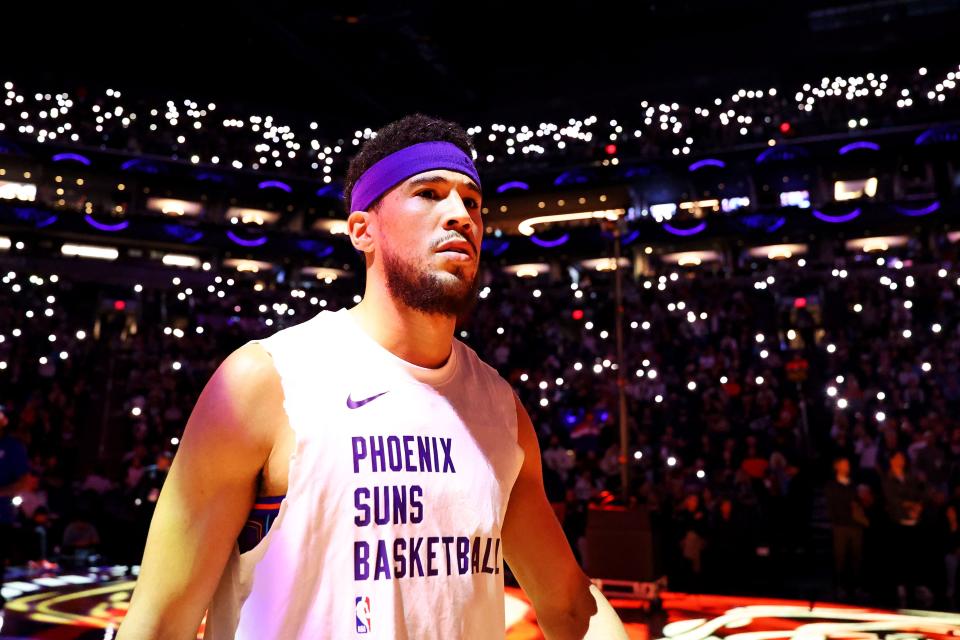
(397, 135)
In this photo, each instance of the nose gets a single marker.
(456, 214)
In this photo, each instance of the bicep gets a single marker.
(534, 543)
(206, 496)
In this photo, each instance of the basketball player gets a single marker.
(364, 474)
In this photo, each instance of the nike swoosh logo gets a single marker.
(355, 404)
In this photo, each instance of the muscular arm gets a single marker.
(206, 497)
(567, 605)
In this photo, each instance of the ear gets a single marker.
(358, 228)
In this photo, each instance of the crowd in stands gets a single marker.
(228, 137)
(809, 423)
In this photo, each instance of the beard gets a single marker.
(429, 292)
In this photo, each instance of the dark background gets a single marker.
(363, 64)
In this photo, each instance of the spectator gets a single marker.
(690, 530)
(903, 497)
(80, 539)
(558, 458)
(848, 519)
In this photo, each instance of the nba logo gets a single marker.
(363, 614)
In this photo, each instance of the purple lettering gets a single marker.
(423, 447)
(415, 555)
(393, 453)
(475, 556)
(359, 452)
(381, 499)
(399, 505)
(416, 503)
(362, 518)
(486, 556)
(446, 546)
(383, 564)
(376, 453)
(446, 443)
(463, 555)
(361, 554)
(431, 554)
(408, 451)
(398, 546)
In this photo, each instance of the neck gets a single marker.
(419, 338)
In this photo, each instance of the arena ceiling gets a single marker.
(362, 64)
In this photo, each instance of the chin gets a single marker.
(459, 272)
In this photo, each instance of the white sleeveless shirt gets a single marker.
(398, 487)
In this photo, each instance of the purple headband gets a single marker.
(409, 161)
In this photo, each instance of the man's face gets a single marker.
(429, 235)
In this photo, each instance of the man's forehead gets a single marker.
(442, 175)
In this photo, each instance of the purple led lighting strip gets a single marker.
(692, 231)
(275, 184)
(919, 212)
(46, 223)
(847, 217)
(516, 184)
(60, 157)
(246, 243)
(861, 144)
(709, 162)
(120, 226)
(776, 225)
(550, 243)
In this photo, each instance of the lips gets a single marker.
(458, 246)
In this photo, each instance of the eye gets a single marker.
(431, 194)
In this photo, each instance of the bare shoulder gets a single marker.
(244, 393)
(247, 368)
